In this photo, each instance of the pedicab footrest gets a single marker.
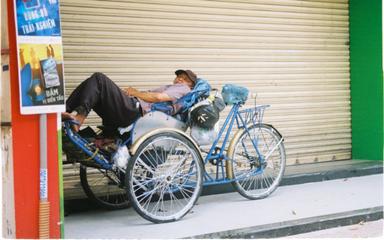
(79, 149)
(74, 154)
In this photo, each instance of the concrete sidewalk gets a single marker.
(374, 229)
(290, 210)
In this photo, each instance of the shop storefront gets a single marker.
(296, 55)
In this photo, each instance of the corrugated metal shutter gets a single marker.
(293, 53)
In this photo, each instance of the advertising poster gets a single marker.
(38, 18)
(41, 78)
(41, 73)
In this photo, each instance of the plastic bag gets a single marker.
(121, 156)
(233, 94)
(219, 103)
(204, 136)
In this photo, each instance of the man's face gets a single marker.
(183, 78)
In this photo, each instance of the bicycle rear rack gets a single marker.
(252, 115)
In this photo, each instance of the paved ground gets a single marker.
(361, 230)
(220, 213)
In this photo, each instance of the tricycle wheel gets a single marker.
(104, 187)
(164, 177)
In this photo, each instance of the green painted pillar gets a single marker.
(366, 79)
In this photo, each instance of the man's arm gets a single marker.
(150, 97)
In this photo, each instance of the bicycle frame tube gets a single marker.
(211, 156)
(230, 118)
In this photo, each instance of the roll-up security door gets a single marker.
(294, 54)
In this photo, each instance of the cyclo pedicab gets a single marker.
(158, 168)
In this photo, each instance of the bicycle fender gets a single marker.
(274, 129)
(231, 148)
(140, 140)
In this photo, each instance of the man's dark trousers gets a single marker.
(101, 94)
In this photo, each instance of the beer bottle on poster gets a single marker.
(36, 90)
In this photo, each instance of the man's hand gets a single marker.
(151, 97)
(130, 91)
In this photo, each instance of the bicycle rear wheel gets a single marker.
(165, 177)
(104, 187)
(257, 171)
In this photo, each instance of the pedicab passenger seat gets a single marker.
(155, 120)
(180, 108)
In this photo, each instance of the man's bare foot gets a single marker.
(67, 116)
(78, 118)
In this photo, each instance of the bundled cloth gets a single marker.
(233, 94)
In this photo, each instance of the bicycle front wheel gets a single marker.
(256, 161)
(165, 177)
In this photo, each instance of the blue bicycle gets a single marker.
(166, 168)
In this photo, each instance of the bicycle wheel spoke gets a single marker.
(272, 150)
(149, 199)
(142, 163)
(163, 154)
(158, 158)
(180, 165)
(140, 184)
(177, 201)
(162, 208)
(96, 182)
(265, 180)
(252, 183)
(148, 155)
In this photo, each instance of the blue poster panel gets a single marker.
(38, 18)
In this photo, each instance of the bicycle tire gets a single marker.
(164, 177)
(104, 187)
(255, 179)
